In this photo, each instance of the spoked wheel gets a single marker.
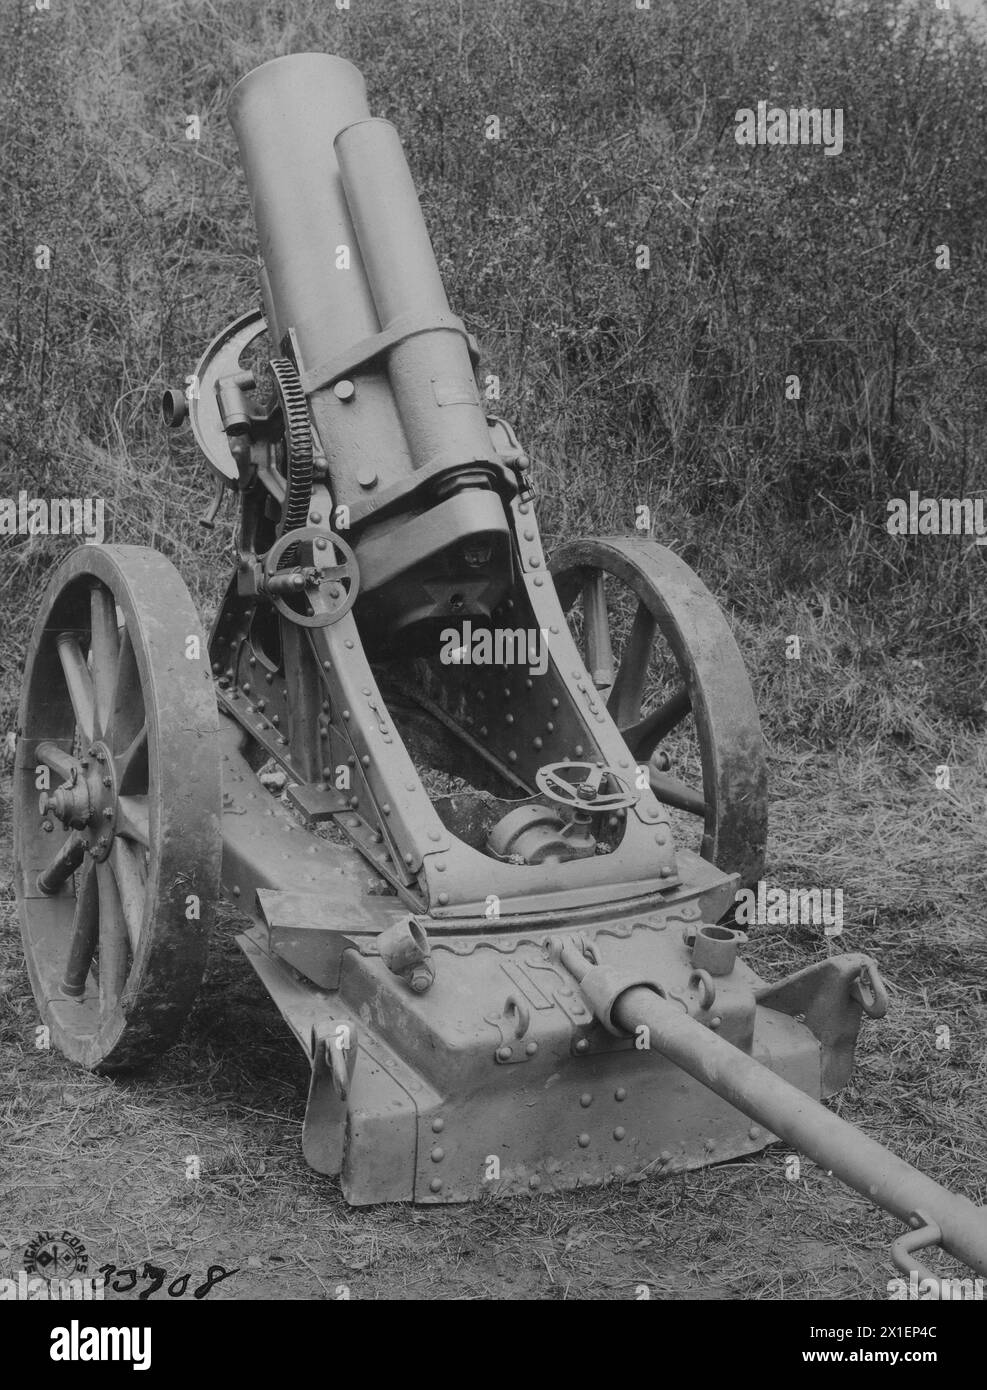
(658, 647)
(117, 805)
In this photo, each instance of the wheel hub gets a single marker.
(87, 802)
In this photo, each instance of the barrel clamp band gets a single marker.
(600, 985)
(399, 330)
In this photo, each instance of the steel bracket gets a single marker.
(301, 931)
(826, 995)
(334, 1049)
(316, 803)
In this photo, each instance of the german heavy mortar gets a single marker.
(508, 980)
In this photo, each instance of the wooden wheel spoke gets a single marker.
(63, 865)
(132, 819)
(671, 791)
(127, 701)
(79, 682)
(596, 632)
(131, 763)
(85, 930)
(130, 886)
(113, 942)
(104, 652)
(624, 702)
(643, 738)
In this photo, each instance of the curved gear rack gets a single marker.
(299, 452)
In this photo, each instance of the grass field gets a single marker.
(665, 389)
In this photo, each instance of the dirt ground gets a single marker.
(108, 1159)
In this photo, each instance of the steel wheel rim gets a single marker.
(714, 692)
(113, 954)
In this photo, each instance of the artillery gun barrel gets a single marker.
(429, 370)
(808, 1126)
(285, 115)
(350, 275)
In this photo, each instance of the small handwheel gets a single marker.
(580, 786)
(341, 581)
(117, 805)
(654, 638)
